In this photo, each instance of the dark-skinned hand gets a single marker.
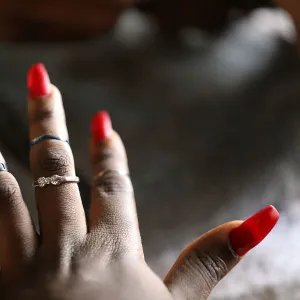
(103, 258)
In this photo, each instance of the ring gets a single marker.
(54, 180)
(3, 167)
(105, 172)
(46, 137)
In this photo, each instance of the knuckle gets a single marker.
(42, 115)
(54, 159)
(111, 243)
(105, 154)
(112, 184)
(210, 268)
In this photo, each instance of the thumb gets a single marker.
(206, 261)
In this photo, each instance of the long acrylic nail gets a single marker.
(101, 126)
(254, 230)
(38, 81)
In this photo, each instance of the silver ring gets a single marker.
(105, 172)
(54, 180)
(3, 167)
(47, 137)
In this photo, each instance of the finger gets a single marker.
(113, 217)
(18, 239)
(204, 263)
(60, 209)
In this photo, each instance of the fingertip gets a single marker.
(254, 230)
(101, 127)
(217, 252)
(38, 82)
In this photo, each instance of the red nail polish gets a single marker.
(250, 233)
(38, 81)
(101, 126)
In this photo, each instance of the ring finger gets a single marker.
(61, 213)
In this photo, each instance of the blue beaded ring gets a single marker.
(46, 137)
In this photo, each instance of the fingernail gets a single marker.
(101, 126)
(254, 230)
(38, 81)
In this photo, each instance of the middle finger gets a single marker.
(60, 209)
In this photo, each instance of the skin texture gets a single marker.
(100, 259)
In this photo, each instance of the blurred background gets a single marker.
(206, 97)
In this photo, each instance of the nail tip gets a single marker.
(38, 82)
(245, 237)
(103, 113)
(36, 69)
(37, 65)
(274, 213)
(101, 126)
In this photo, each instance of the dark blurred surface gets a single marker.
(66, 20)
(211, 16)
(57, 21)
(211, 126)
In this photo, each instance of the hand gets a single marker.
(103, 258)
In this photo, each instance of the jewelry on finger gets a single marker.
(47, 137)
(3, 167)
(54, 180)
(105, 172)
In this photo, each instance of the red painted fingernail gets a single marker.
(101, 126)
(250, 233)
(38, 81)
